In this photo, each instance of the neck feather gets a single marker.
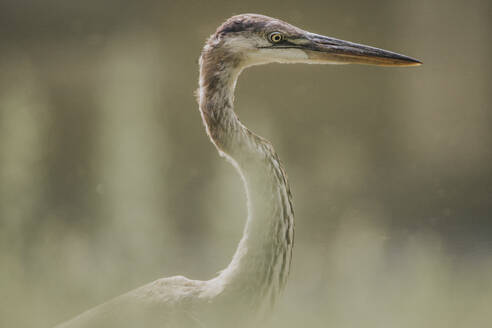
(260, 266)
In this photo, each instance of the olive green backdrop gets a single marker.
(107, 179)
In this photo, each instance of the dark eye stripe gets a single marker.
(285, 44)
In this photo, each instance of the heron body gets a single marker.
(249, 285)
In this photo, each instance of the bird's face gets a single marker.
(260, 40)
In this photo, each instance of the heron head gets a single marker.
(258, 39)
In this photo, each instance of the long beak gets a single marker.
(325, 49)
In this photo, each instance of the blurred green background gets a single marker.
(107, 179)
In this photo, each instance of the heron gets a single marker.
(247, 289)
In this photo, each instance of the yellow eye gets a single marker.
(275, 37)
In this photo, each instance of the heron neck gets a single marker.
(260, 265)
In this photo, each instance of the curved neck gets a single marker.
(260, 266)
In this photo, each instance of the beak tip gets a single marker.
(403, 62)
(409, 61)
(416, 62)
